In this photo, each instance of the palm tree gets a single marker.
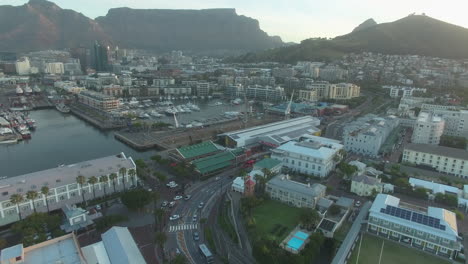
(45, 191)
(132, 174)
(93, 180)
(104, 179)
(122, 172)
(160, 239)
(32, 195)
(81, 180)
(17, 199)
(113, 177)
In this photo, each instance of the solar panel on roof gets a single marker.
(413, 217)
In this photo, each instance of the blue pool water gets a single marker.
(301, 235)
(295, 243)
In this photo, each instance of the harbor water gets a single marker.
(65, 139)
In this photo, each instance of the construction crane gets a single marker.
(175, 121)
(287, 112)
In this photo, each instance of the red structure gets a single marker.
(249, 186)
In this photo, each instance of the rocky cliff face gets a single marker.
(185, 30)
(40, 25)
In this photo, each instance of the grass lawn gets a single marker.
(341, 233)
(393, 253)
(273, 215)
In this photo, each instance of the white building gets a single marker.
(163, 82)
(456, 122)
(367, 134)
(23, 67)
(177, 90)
(325, 90)
(63, 188)
(446, 160)
(428, 129)
(203, 89)
(433, 230)
(313, 155)
(56, 68)
(403, 91)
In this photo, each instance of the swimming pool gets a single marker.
(301, 235)
(295, 243)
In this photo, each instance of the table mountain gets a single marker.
(41, 24)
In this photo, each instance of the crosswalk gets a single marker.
(182, 227)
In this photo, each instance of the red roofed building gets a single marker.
(249, 186)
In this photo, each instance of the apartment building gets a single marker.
(203, 89)
(56, 68)
(98, 100)
(265, 93)
(177, 90)
(112, 90)
(403, 91)
(427, 129)
(293, 193)
(433, 230)
(312, 155)
(446, 160)
(325, 90)
(367, 134)
(63, 188)
(456, 122)
(163, 82)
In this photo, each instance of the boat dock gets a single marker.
(96, 120)
(170, 139)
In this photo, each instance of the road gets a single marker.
(180, 233)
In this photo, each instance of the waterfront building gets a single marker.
(63, 186)
(56, 68)
(23, 67)
(112, 90)
(312, 155)
(325, 90)
(273, 134)
(203, 89)
(265, 93)
(177, 90)
(433, 230)
(98, 100)
(234, 91)
(451, 161)
(367, 134)
(163, 82)
(427, 129)
(294, 193)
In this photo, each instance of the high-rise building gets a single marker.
(100, 57)
(84, 56)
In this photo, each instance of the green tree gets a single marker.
(132, 174)
(159, 216)
(104, 179)
(45, 191)
(3, 243)
(32, 195)
(160, 239)
(113, 178)
(136, 199)
(17, 199)
(309, 218)
(81, 180)
(179, 259)
(93, 180)
(123, 172)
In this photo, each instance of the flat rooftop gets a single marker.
(283, 182)
(63, 251)
(439, 150)
(64, 174)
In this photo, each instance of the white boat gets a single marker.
(155, 114)
(19, 91)
(237, 101)
(62, 108)
(143, 116)
(36, 89)
(28, 90)
(218, 104)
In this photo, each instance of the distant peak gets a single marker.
(366, 24)
(43, 3)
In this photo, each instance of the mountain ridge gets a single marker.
(41, 24)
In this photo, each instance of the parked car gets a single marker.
(200, 206)
(164, 204)
(187, 197)
(178, 197)
(196, 236)
(174, 217)
(171, 204)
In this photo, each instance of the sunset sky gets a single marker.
(293, 20)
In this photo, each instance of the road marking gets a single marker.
(182, 227)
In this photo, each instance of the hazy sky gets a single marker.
(293, 20)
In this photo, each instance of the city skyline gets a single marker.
(279, 17)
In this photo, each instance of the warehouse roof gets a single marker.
(196, 150)
(215, 162)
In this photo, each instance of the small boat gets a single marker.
(62, 108)
(19, 91)
(218, 104)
